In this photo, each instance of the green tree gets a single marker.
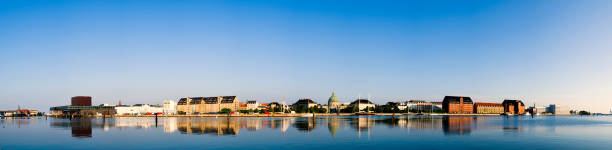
(226, 111)
(396, 109)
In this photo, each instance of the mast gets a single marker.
(358, 103)
(283, 107)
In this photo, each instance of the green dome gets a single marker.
(333, 98)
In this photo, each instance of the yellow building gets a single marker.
(488, 108)
(199, 105)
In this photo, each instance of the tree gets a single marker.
(379, 109)
(396, 109)
(226, 111)
(584, 113)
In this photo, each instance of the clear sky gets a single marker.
(147, 51)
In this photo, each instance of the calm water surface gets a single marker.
(369, 132)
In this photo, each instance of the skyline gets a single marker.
(543, 52)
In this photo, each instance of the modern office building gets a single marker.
(458, 105)
(557, 109)
(488, 108)
(81, 105)
(514, 107)
(199, 105)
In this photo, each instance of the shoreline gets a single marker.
(302, 115)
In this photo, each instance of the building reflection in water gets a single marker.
(305, 124)
(209, 126)
(457, 125)
(333, 124)
(82, 128)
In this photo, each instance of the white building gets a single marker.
(138, 109)
(252, 105)
(362, 104)
(169, 107)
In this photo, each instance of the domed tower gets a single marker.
(333, 104)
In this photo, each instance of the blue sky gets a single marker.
(542, 52)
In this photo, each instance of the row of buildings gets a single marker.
(201, 105)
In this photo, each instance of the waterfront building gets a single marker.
(169, 107)
(81, 105)
(514, 107)
(19, 112)
(333, 104)
(458, 105)
(274, 105)
(198, 105)
(362, 104)
(557, 109)
(139, 109)
(421, 105)
(304, 102)
(252, 105)
(488, 108)
(537, 110)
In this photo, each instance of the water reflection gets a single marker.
(450, 126)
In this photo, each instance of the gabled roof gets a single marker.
(196, 100)
(182, 101)
(211, 100)
(228, 99)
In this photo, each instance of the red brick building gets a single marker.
(514, 107)
(458, 105)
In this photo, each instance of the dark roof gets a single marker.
(228, 99)
(455, 99)
(251, 102)
(362, 101)
(210, 100)
(182, 101)
(274, 103)
(196, 100)
(514, 102)
(305, 101)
